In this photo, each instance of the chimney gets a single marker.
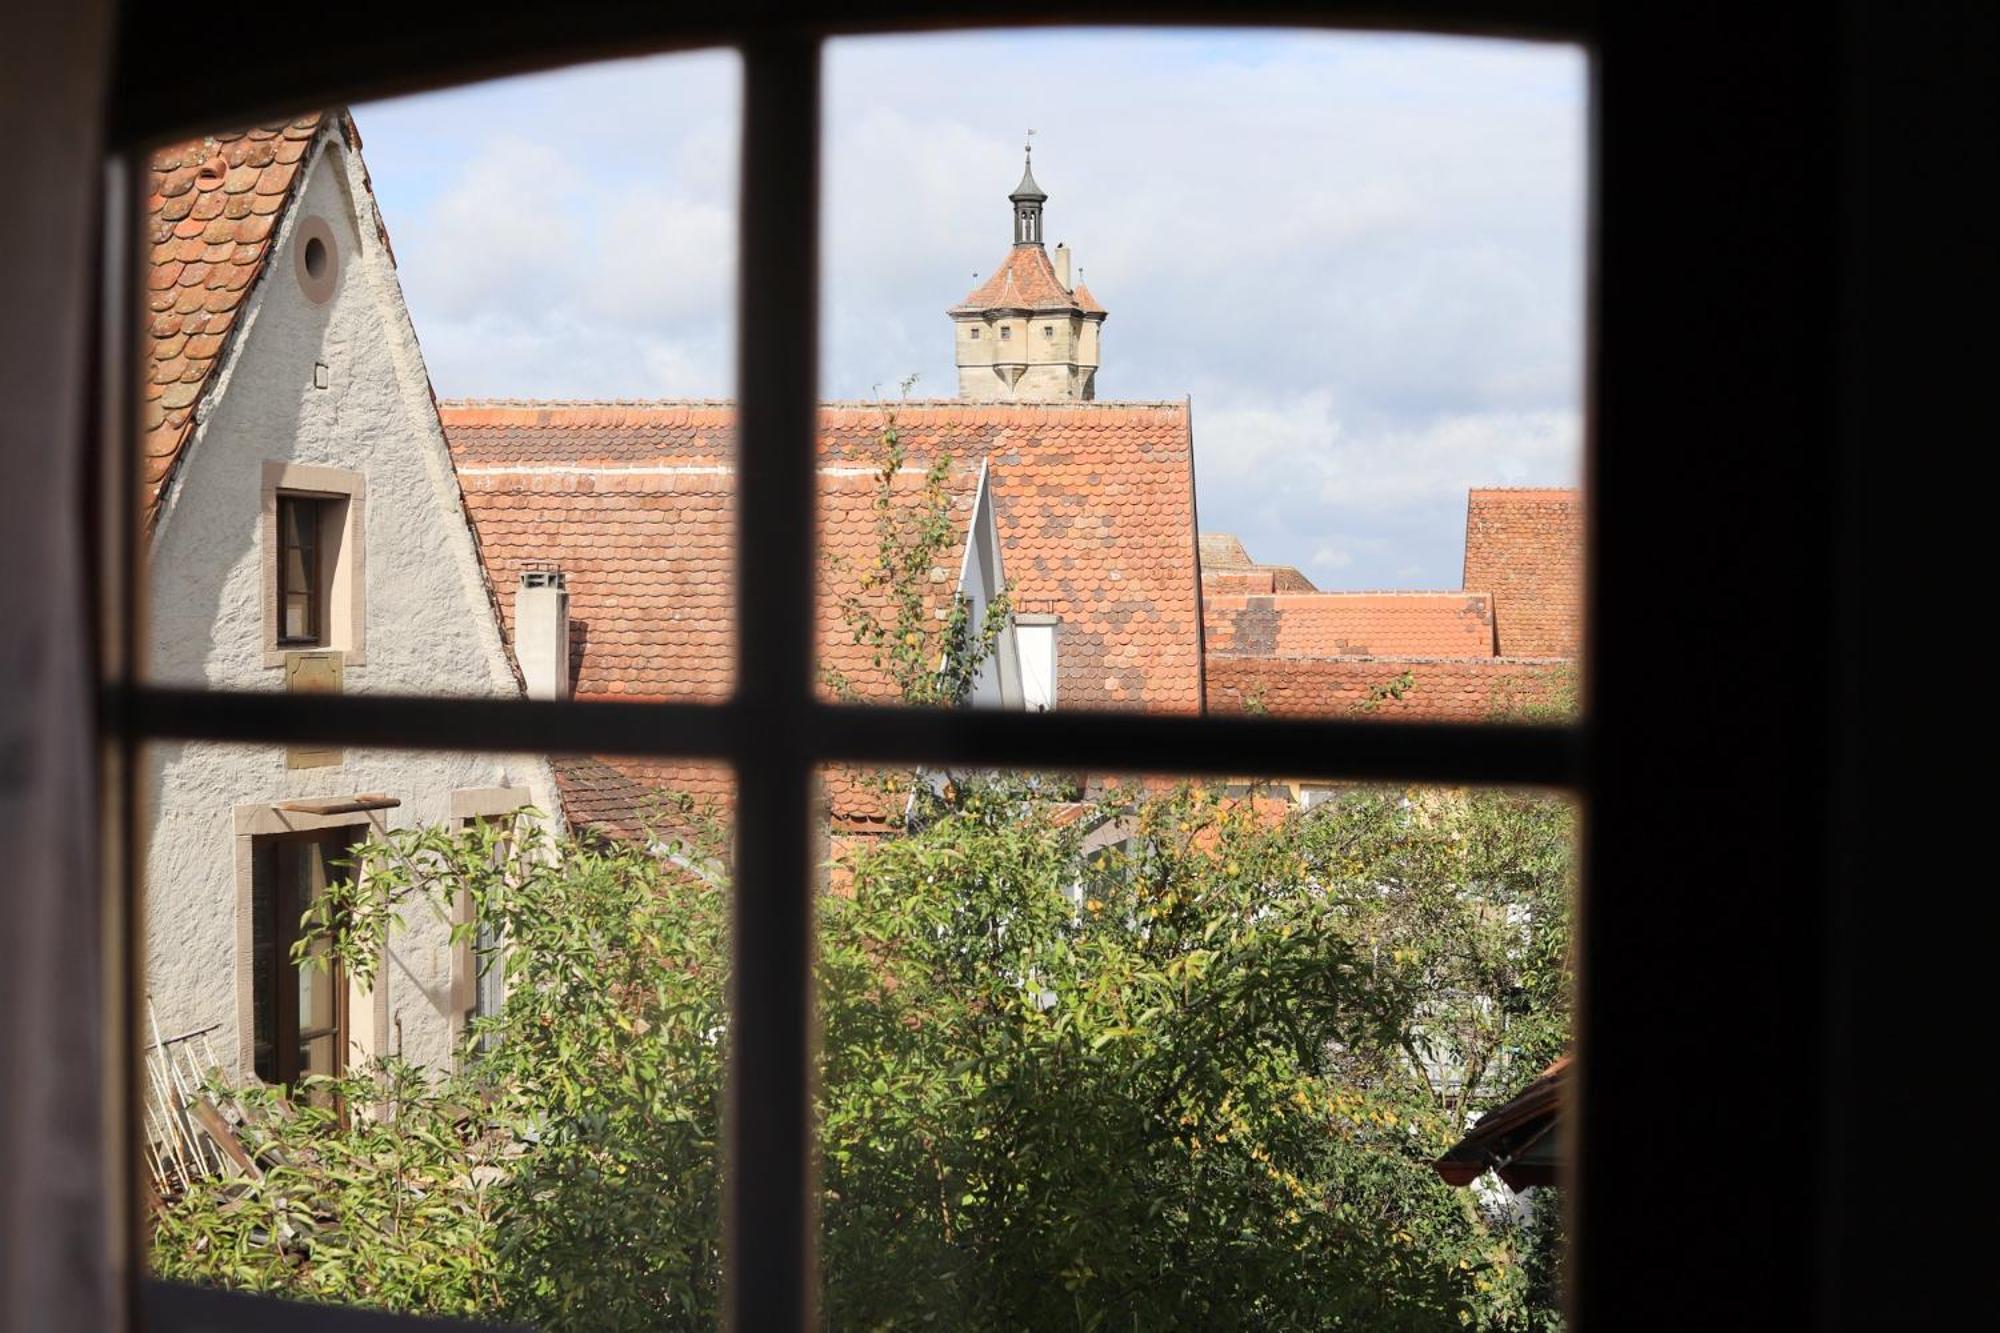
(541, 633)
(1062, 267)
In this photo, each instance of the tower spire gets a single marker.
(1028, 199)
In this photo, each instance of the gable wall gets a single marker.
(429, 626)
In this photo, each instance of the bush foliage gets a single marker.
(1167, 1058)
(1174, 1058)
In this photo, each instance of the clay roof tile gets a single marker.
(197, 185)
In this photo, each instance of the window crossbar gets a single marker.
(1105, 742)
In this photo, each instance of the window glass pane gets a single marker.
(1146, 1053)
(516, 1129)
(1300, 431)
(264, 958)
(558, 520)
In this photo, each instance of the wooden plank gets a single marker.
(202, 1111)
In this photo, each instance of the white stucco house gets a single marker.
(306, 532)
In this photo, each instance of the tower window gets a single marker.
(1006, 332)
(1048, 330)
(975, 334)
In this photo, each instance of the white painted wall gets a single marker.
(430, 624)
(982, 578)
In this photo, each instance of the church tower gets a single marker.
(1028, 334)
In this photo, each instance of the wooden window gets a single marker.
(479, 971)
(299, 1007)
(1650, 760)
(301, 590)
(776, 733)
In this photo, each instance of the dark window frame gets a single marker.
(271, 874)
(308, 514)
(1728, 201)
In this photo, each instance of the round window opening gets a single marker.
(317, 261)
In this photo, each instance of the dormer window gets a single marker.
(1035, 638)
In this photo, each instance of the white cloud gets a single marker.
(1360, 255)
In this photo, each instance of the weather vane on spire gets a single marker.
(1028, 198)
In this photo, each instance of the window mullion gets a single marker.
(769, 1222)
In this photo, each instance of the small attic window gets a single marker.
(975, 333)
(1048, 330)
(1006, 332)
(317, 263)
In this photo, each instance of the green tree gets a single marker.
(1186, 1079)
(1187, 1071)
(930, 655)
(1168, 1085)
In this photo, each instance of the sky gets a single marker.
(1359, 256)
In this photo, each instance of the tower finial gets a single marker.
(1028, 199)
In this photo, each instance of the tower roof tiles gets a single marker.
(1026, 280)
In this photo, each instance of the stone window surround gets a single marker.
(484, 802)
(346, 601)
(468, 804)
(263, 821)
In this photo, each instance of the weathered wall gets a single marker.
(1059, 353)
(430, 627)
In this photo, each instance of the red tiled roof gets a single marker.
(1438, 690)
(1227, 567)
(1223, 550)
(1256, 579)
(629, 799)
(1026, 280)
(1238, 582)
(215, 204)
(1525, 547)
(1349, 624)
(1094, 503)
(648, 561)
